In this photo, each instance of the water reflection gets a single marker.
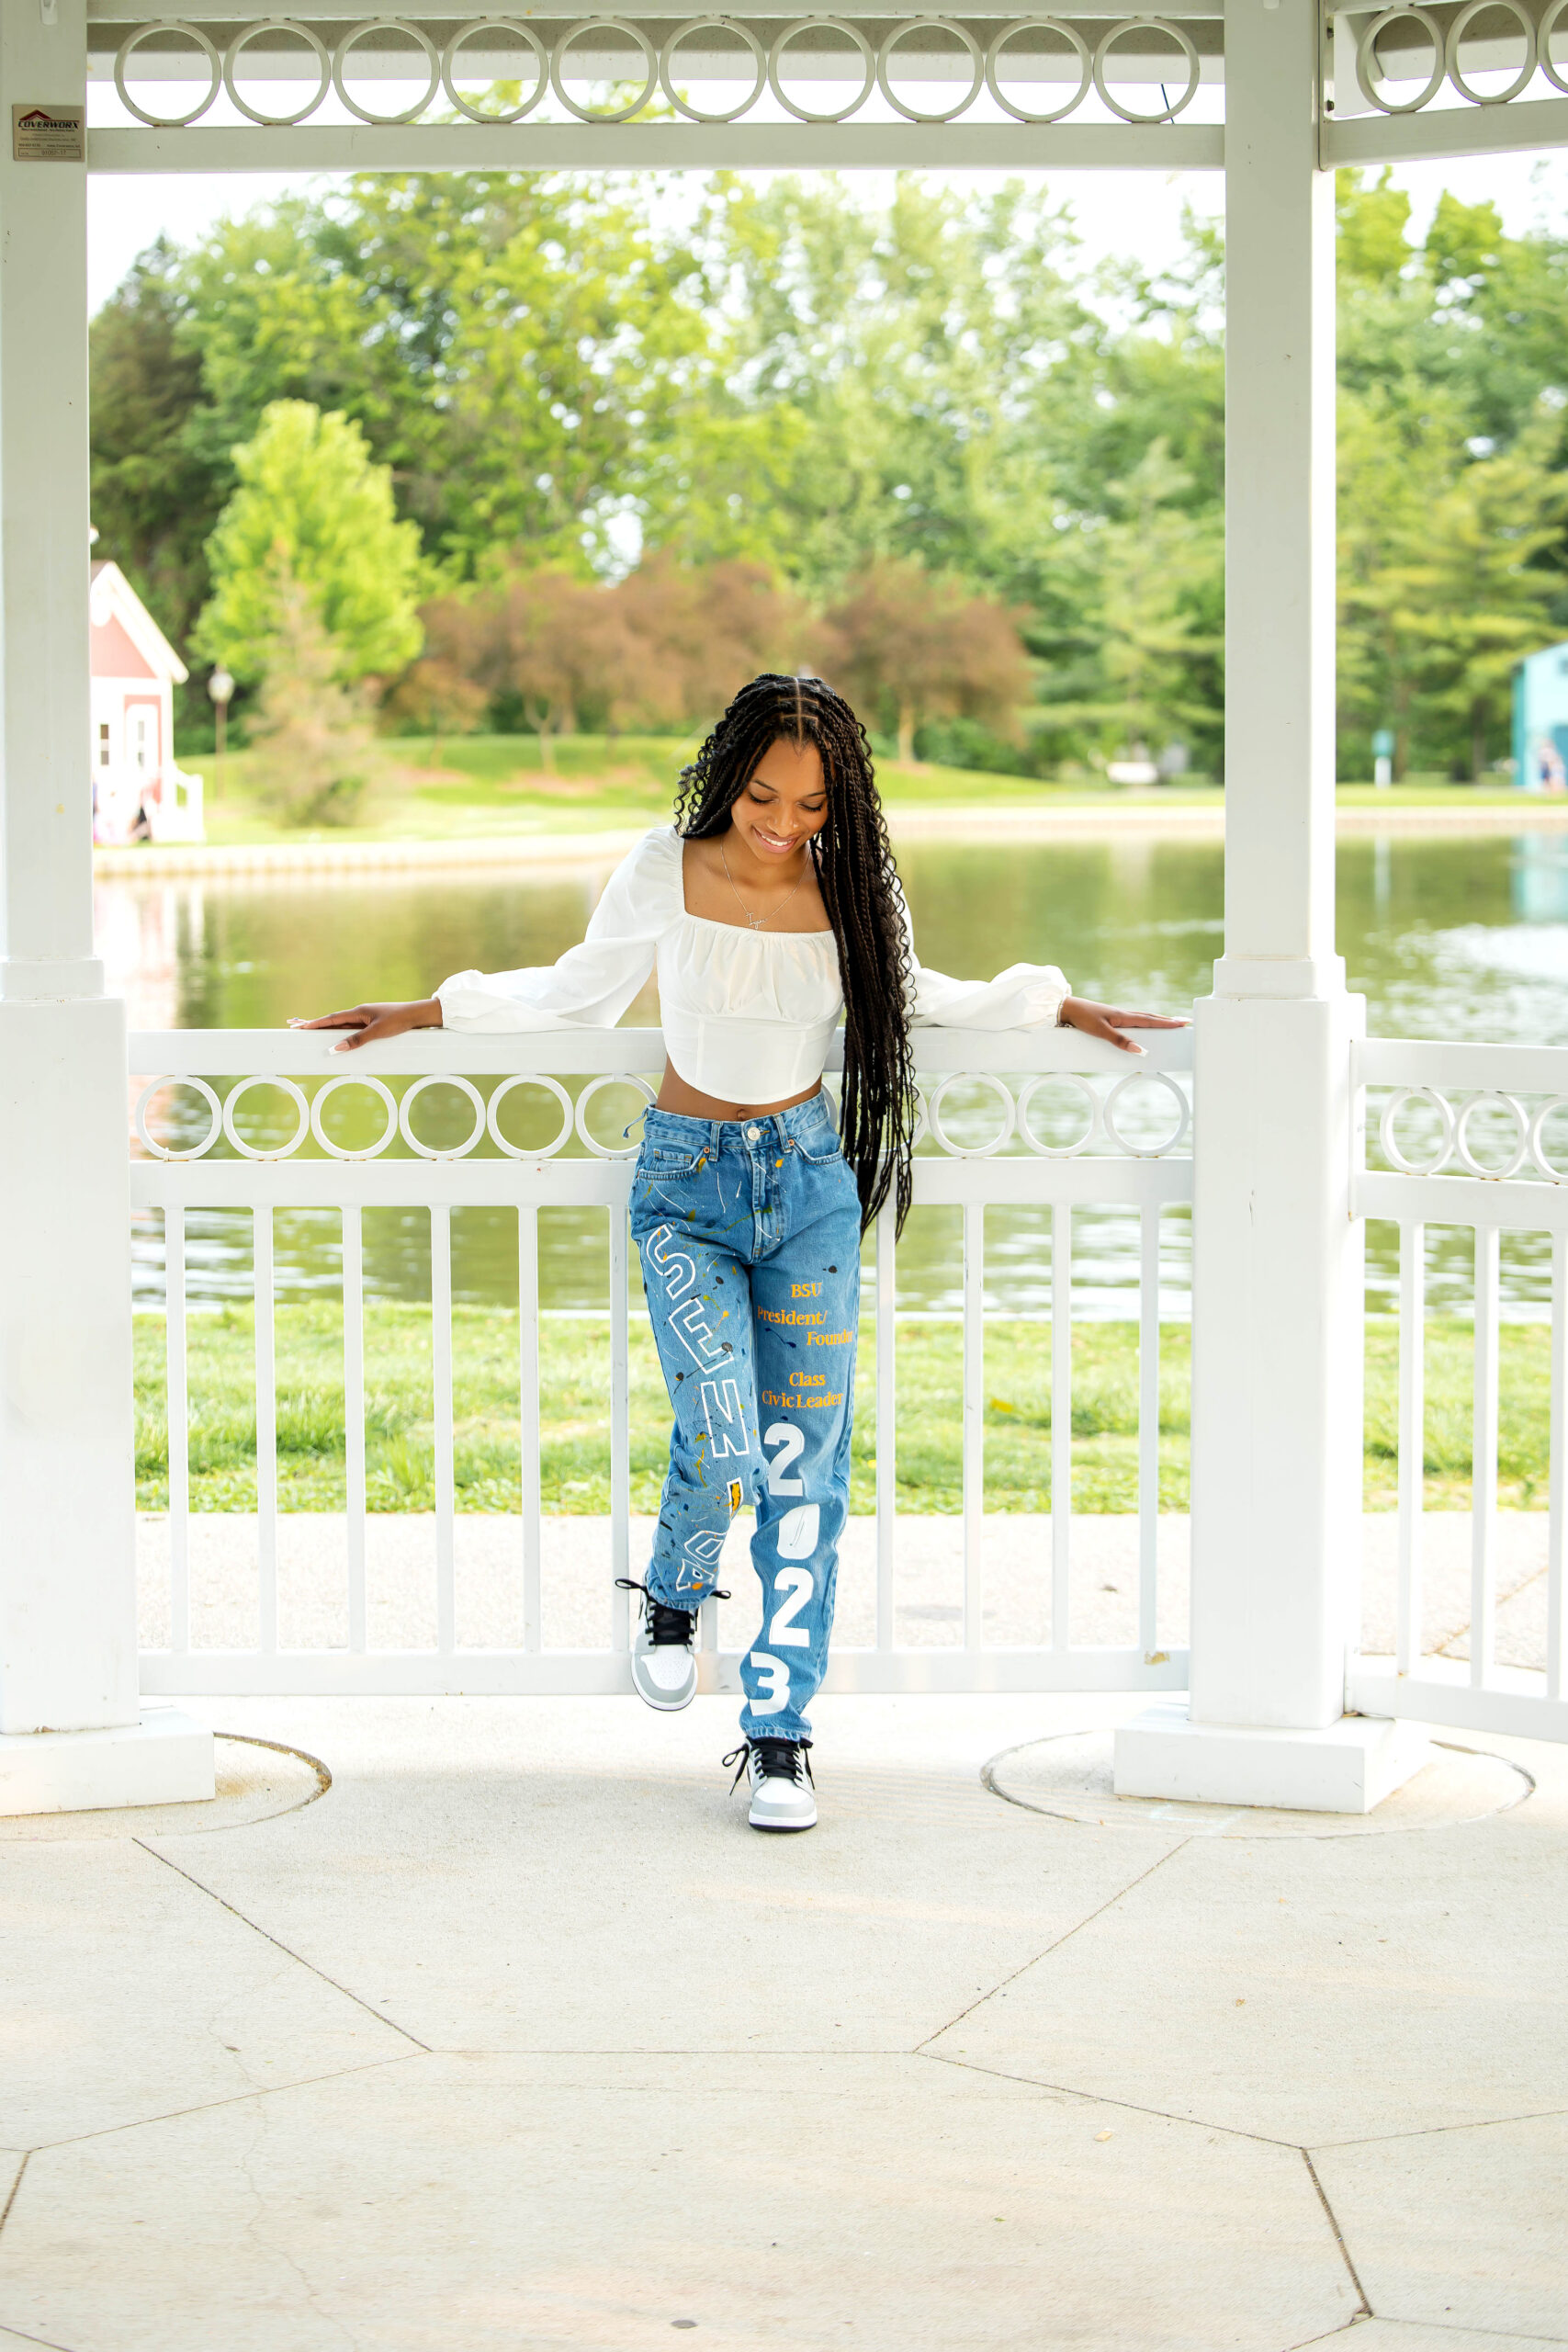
(1461, 938)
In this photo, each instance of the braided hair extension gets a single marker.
(865, 900)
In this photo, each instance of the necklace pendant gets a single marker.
(756, 922)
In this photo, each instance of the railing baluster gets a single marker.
(266, 1432)
(1557, 1491)
(1148, 1431)
(354, 1418)
(441, 1371)
(1412, 1445)
(886, 1425)
(620, 1428)
(1061, 1420)
(177, 1411)
(974, 1421)
(528, 1410)
(1484, 1462)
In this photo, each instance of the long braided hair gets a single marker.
(863, 897)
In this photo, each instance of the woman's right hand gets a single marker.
(372, 1023)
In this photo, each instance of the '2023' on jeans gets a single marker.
(749, 1232)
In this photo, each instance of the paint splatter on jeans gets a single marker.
(748, 1231)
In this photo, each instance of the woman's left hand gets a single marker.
(1108, 1020)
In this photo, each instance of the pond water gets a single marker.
(1449, 938)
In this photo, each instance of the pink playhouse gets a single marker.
(137, 792)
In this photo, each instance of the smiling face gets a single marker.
(783, 803)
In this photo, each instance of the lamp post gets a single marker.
(220, 686)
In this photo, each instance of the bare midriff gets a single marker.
(674, 1094)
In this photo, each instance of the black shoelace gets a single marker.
(666, 1627)
(777, 1760)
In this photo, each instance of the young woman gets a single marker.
(769, 907)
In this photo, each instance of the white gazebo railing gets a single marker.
(1474, 1137)
(1125, 1133)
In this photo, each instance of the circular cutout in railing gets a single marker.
(1416, 1131)
(525, 1130)
(1070, 1778)
(1551, 45)
(929, 70)
(609, 1113)
(278, 73)
(187, 1142)
(446, 1120)
(1395, 51)
(1030, 65)
(167, 75)
(1492, 1136)
(1147, 1115)
(972, 1127)
(716, 62)
(1490, 52)
(387, 70)
(1058, 1115)
(1549, 1139)
(495, 70)
(271, 1137)
(821, 70)
(1155, 58)
(605, 71)
(354, 1134)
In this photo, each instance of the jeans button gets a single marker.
(753, 1133)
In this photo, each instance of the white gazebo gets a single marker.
(1279, 1706)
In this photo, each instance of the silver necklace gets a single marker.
(756, 922)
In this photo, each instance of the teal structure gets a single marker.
(1540, 721)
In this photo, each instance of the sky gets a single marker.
(1118, 213)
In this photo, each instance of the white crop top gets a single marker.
(747, 1015)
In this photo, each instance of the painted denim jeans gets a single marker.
(748, 1231)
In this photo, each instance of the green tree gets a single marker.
(1479, 596)
(313, 506)
(1161, 573)
(1449, 571)
(312, 747)
(514, 344)
(154, 497)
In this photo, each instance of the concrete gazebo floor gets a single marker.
(519, 2037)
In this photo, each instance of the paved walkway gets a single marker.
(518, 2037)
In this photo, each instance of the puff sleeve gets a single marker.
(589, 985)
(1026, 996)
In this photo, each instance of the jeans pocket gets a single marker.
(663, 1163)
(820, 1144)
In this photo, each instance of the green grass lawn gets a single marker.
(485, 786)
(574, 1388)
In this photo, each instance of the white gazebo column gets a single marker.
(72, 1734)
(1277, 1252)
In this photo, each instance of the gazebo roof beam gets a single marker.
(659, 146)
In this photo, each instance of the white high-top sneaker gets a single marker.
(782, 1790)
(664, 1655)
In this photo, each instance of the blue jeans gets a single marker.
(748, 1231)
